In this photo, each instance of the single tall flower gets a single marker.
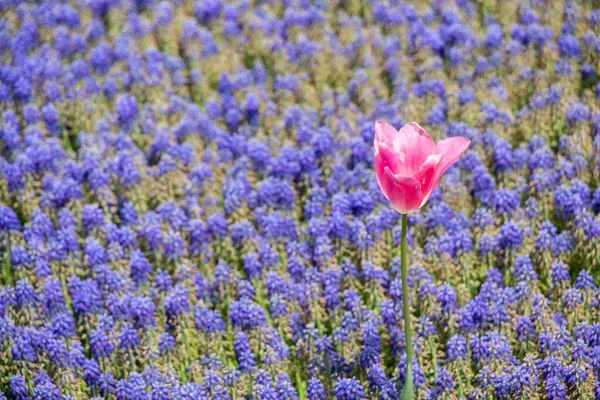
(409, 164)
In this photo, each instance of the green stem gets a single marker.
(407, 390)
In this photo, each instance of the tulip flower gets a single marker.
(409, 165)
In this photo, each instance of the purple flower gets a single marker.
(129, 337)
(588, 224)
(85, 295)
(567, 201)
(569, 46)
(174, 245)
(348, 389)
(127, 109)
(18, 388)
(217, 225)
(456, 348)
(176, 302)
(246, 315)
(510, 236)
(8, 219)
(95, 252)
(208, 321)
(131, 388)
(555, 389)
(559, 272)
(578, 113)
(166, 343)
(507, 201)
(315, 389)
(523, 269)
(100, 343)
(140, 267)
(584, 281)
(92, 216)
(243, 352)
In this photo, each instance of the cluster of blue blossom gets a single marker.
(188, 208)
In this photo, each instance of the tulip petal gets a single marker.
(413, 145)
(409, 164)
(387, 158)
(451, 149)
(404, 193)
(427, 170)
(384, 133)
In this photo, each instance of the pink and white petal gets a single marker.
(404, 193)
(451, 150)
(414, 145)
(427, 170)
(386, 157)
(384, 133)
(432, 184)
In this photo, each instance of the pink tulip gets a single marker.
(409, 164)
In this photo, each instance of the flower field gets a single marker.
(189, 207)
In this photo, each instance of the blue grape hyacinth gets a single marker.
(189, 210)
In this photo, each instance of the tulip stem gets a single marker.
(407, 389)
